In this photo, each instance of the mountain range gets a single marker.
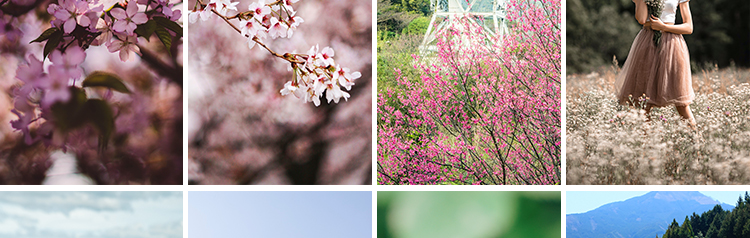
(645, 216)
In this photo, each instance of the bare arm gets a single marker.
(641, 12)
(686, 28)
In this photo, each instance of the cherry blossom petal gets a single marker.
(132, 9)
(69, 26)
(118, 13)
(139, 18)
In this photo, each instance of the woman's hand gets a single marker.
(657, 24)
(647, 25)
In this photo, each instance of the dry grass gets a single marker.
(612, 144)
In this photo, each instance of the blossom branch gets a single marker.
(313, 73)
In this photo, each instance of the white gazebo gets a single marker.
(488, 14)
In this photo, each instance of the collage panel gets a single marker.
(469, 92)
(658, 100)
(446, 214)
(91, 92)
(64, 214)
(281, 92)
(280, 214)
(665, 214)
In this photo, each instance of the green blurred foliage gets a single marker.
(401, 27)
(598, 30)
(395, 15)
(468, 214)
(396, 52)
(417, 26)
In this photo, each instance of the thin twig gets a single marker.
(255, 38)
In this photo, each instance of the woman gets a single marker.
(661, 73)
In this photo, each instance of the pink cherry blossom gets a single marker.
(71, 13)
(105, 28)
(32, 74)
(57, 87)
(22, 124)
(68, 62)
(170, 14)
(127, 19)
(126, 47)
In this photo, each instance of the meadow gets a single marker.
(612, 144)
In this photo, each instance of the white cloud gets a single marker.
(91, 214)
(9, 227)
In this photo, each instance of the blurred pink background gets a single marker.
(242, 131)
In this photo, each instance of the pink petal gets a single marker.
(132, 9)
(52, 8)
(75, 55)
(115, 46)
(130, 28)
(139, 18)
(120, 26)
(124, 55)
(118, 13)
(84, 21)
(69, 26)
(56, 57)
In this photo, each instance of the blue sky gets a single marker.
(583, 201)
(91, 214)
(280, 214)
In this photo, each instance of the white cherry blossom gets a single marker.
(277, 28)
(259, 9)
(345, 77)
(288, 88)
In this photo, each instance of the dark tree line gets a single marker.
(598, 30)
(716, 223)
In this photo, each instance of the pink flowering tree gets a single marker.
(485, 110)
(61, 103)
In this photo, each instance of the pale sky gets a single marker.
(91, 214)
(280, 214)
(583, 201)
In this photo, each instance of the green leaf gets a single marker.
(66, 114)
(45, 35)
(101, 116)
(165, 37)
(53, 42)
(169, 24)
(103, 79)
(146, 29)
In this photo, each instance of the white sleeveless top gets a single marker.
(670, 10)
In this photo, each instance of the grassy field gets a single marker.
(612, 144)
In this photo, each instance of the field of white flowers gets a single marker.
(612, 144)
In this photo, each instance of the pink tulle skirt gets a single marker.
(662, 73)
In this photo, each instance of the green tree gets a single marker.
(686, 230)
